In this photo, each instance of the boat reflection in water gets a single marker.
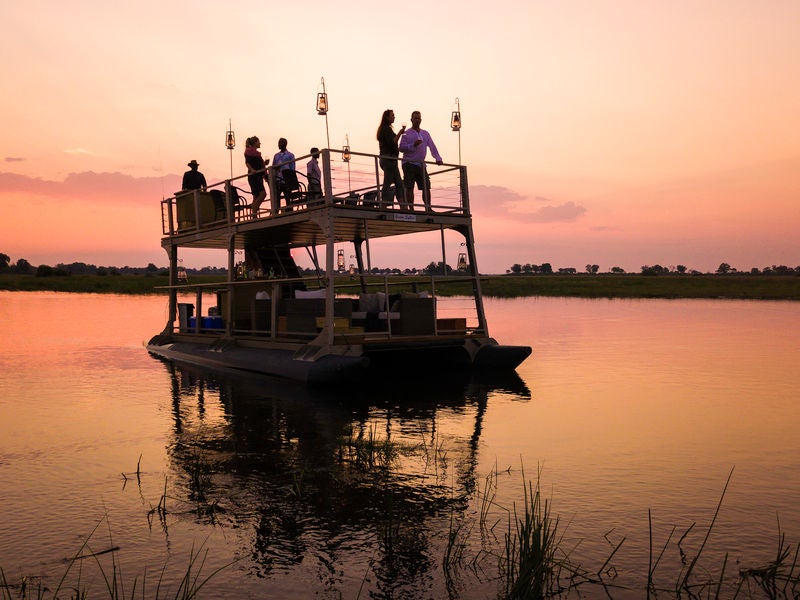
(331, 489)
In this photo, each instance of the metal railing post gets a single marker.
(327, 182)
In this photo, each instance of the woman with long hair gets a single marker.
(255, 172)
(387, 143)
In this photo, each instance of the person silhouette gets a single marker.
(193, 179)
(255, 172)
(414, 146)
(283, 161)
(314, 175)
(387, 144)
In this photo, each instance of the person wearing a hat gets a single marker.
(193, 179)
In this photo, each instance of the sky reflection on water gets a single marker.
(625, 406)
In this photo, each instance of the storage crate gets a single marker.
(339, 323)
(451, 325)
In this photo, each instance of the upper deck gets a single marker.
(349, 207)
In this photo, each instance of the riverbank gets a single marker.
(739, 286)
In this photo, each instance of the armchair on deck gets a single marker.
(241, 208)
(408, 314)
(370, 200)
(294, 190)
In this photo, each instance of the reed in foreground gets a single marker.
(78, 583)
(532, 559)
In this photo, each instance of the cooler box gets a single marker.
(212, 322)
(206, 323)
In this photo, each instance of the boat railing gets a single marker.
(349, 179)
(364, 307)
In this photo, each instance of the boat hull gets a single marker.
(329, 366)
(269, 361)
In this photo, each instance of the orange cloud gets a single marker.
(94, 187)
(501, 202)
(102, 218)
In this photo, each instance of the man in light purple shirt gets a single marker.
(414, 146)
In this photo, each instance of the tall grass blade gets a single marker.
(688, 573)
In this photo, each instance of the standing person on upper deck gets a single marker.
(193, 179)
(389, 151)
(284, 156)
(314, 175)
(255, 172)
(414, 146)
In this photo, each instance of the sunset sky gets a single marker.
(610, 132)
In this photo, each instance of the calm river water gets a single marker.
(627, 408)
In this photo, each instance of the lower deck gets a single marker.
(252, 311)
(331, 334)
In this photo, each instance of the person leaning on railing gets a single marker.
(284, 161)
(255, 172)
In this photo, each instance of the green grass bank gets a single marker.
(742, 287)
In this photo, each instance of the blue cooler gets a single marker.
(212, 322)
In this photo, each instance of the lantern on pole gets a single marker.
(230, 143)
(346, 149)
(322, 109)
(455, 119)
(346, 158)
(462, 259)
(455, 125)
(322, 103)
(340, 261)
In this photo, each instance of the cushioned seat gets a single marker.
(409, 314)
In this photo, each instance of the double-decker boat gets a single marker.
(343, 323)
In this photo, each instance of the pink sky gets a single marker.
(618, 133)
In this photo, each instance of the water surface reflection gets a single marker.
(628, 406)
(348, 483)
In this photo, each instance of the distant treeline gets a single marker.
(723, 269)
(23, 267)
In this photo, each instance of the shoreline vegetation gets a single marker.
(603, 285)
(528, 556)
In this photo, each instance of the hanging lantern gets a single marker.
(322, 109)
(230, 137)
(322, 103)
(346, 149)
(340, 260)
(462, 261)
(455, 120)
